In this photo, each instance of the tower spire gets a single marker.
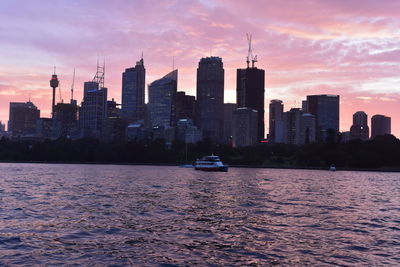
(54, 84)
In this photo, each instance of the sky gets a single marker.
(345, 47)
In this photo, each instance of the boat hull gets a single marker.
(212, 169)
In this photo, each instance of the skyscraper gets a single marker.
(210, 97)
(380, 125)
(325, 108)
(245, 123)
(93, 109)
(161, 100)
(250, 83)
(229, 109)
(133, 90)
(185, 106)
(359, 129)
(23, 118)
(65, 120)
(275, 115)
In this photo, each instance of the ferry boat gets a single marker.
(332, 168)
(210, 163)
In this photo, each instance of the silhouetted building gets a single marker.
(113, 111)
(380, 125)
(345, 137)
(210, 97)
(93, 110)
(229, 109)
(2, 127)
(114, 127)
(133, 92)
(65, 122)
(325, 108)
(22, 119)
(275, 115)
(137, 131)
(185, 106)
(291, 122)
(307, 129)
(250, 88)
(359, 129)
(44, 128)
(245, 124)
(187, 131)
(161, 100)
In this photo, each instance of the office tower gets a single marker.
(359, 129)
(380, 125)
(291, 124)
(210, 98)
(65, 120)
(44, 128)
(22, 119)
(161, 100)
(307, 129)
(229, 108)
(245, 127)
(93, 109)
(185, 106)
(325, 108)
(133, 90)
(275, 115)
(250, 90)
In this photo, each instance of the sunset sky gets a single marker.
(345, 47)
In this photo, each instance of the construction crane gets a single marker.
(250, 55)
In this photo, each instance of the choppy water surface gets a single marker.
(105, 215)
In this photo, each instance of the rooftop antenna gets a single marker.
(72, 86)
(173, 63)
(250, 55)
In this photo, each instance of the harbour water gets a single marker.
(109, 215)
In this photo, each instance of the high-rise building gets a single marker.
(93, 109)
(291, 121)
(65, 119)
(245, 124)
(161, 100)
(250, 89)
(210, 98)
(275, 115)
(185, 106)
(359, 129)
(307, 129)
(325, 108)
(23, 118)
(380, 125)
(133, 92)
(44, 128)
(2, 127)
(229, 109)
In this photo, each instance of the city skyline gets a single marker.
(319, 47)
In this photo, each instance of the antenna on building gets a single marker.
(72, 86)
(250, 55)
(173, 63)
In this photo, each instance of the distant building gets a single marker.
(359, 129)
(345, 137)
(162, 100)
(65, 122)
(187, 131)
(93, 110)
(275, 115)
(44, 128)
(245, 127)
(380, 125)
(185, 106)
(307, 129)
(22, 119)
(229, 109)
(137, 132)
(325, 108)
(291, 121)
(210, 98)
(133, 92)
(250, 88)
(2, 127)
(114, 127)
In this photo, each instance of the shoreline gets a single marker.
(385, 169)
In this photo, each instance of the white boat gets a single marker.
(210, 163)
(332, 168)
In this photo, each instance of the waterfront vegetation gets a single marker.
(381, 153)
